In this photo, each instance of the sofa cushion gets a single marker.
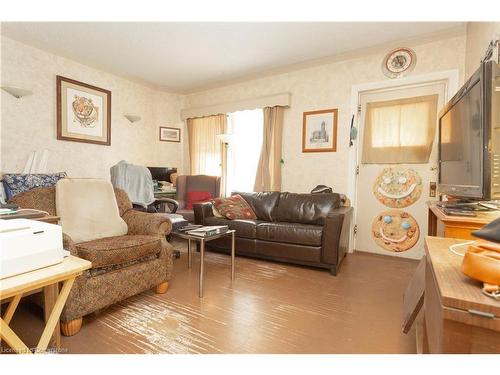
(243, 228)
(302, 234)
(306, 208)
(262, 203)
(234, 207)
(118, 250)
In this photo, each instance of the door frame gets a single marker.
(450, 77)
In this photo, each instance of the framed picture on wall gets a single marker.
(83, 112)
(170, 134)
(319, 131)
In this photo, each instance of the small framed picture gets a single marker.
(83, 112)
(170, 134)
(319, 131)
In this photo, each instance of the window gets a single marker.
(400, 131)
(246, 129)
(204, 146)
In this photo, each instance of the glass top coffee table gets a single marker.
(202, 240)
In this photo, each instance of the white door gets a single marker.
(391, 210)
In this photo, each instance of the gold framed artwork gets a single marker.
(83, 112)
(170, 134)
(319, 131)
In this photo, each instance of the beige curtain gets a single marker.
(205, 148)
(399, 131)
(269, 168)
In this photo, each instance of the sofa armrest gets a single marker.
(336, 235)
(147, 223)
(202, 211)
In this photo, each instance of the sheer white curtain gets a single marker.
(246, 129)
(399, 131)
(205, 150)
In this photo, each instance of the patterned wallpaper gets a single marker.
(29, 123)
(314, 88)
(324, 87)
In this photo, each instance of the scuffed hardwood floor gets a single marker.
(270, 308)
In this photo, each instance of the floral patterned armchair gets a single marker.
(122, 266)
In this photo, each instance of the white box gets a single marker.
(27, 245)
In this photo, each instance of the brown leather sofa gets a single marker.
(306, 229)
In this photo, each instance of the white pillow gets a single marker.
(88, 209)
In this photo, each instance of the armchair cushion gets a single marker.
(118, 250)
(88, 209)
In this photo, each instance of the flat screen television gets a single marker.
(469, 138)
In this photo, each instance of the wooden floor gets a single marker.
(270, 308)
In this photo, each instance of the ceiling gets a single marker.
(185, 57)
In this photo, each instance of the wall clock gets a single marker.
(399, 62)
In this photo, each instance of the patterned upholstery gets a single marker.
(118, 250)
(41, 199)
(146, 259)
(16, 183)
(234, 207)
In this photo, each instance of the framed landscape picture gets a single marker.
(170, 134)
(83, 112)
(319, 131)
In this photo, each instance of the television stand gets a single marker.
(467, 206)
(442, 225)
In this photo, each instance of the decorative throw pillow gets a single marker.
(15, 183)
(234, 207)
(197, 197)
(216, 212)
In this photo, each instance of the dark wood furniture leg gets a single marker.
(431, 223)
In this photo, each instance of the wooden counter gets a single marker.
(442, 225)
(458, 317)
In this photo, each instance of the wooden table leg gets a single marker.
(431, 223)
(53, 319)
(11, 308)
(9, 312)
(10, 337)
(50, 294)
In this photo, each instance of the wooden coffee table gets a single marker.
(202, 241)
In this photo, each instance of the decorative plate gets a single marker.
(395, 230)
(397, 187)
(399, 62)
